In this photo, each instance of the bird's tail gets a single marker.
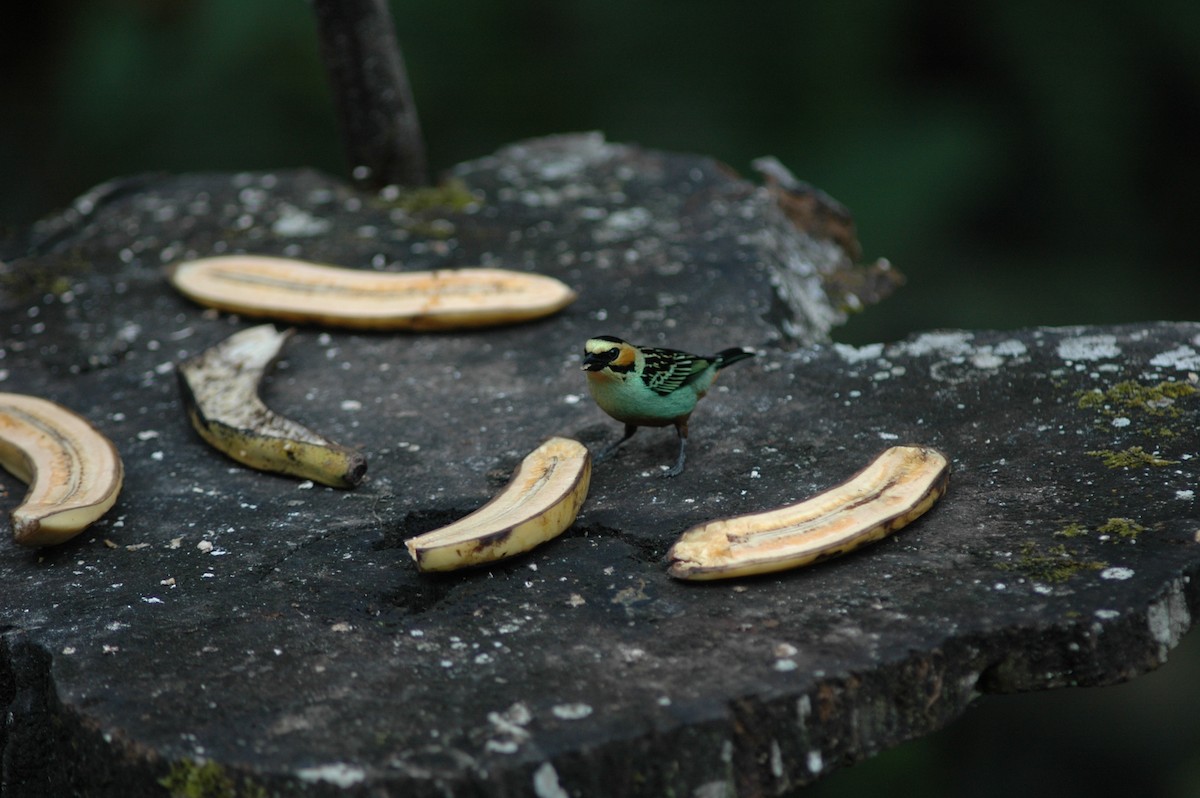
(728, 356)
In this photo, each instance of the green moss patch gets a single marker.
(189, 779)
(452, 195)
(1129, 396)
(1071, 531)
(1133, 457)
(1051, 564)
(1122, 527)
(1125, 528)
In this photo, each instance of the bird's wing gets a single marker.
(668, 369)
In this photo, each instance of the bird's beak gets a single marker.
(593, 363)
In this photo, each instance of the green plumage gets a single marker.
(651, 387)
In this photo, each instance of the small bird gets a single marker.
(649, 387)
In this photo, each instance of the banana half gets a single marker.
(895, 489)
(299, 291)
(74, 472)
(220, 392)
(539, 503)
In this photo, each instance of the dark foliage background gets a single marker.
(1021, 162)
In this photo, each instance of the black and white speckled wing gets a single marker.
(668, 369)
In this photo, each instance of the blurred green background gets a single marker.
(1022, 163)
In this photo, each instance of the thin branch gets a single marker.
(370, 86)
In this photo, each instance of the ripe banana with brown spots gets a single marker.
(315, 293)
(538, 503)
(895, 489)
(220, 393)
(73, 471)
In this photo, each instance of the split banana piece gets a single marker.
(540, 502)
(220, 392)
(74, 472)
(896, 488)
(299, 291)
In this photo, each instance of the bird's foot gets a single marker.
(608, 451)
(677, 469)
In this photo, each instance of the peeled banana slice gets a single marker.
(74, 472)
(220, 391)
(299, 291)
(540, 502)
(896, 488)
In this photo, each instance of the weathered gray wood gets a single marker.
(303, 650)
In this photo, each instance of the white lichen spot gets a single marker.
(338, 774)
(622, 224)
(1183, 358)
(1089, 347)
(986, 360)
(545, 783)
(295, 222)
(512, 721)
(1120, 421)
(1185, 495)
(1107, 615)
(943, 343)
(1010, 348)
(713, 789)
(888, 436)
(858, 354)
(803, 709)
(815, 761)
(1168, 618)
(1118, 573)
(785, 665)
(576, 711)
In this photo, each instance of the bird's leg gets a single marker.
(608, 450)
(681, 430)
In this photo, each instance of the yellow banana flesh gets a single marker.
(73, 471)
(540, 502)
(300, 291)
(896, 488)
(220, 392)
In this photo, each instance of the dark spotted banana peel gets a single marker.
(895, 489)
(73, 471)
(220, 393)
(315, 293)
(539, 503)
